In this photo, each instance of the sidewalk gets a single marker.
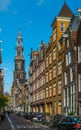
(5, 125)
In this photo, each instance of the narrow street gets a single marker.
(13, 122)
(40, 65)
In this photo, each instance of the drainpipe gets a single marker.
(76, 80)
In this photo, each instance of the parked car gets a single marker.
(39, 117)
(70, 123)
(35, 115)
(28, 115)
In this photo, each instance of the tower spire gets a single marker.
(19, 30)
(19, 38)
(19, 46)
(64, 1)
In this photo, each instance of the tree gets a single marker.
(3, 101)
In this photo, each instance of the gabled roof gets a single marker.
(65, 11)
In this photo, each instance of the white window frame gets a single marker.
(79, 78)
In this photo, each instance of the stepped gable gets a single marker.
(65, 11)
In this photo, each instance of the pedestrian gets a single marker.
(0, 118)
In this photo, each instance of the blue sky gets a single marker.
(35, 18)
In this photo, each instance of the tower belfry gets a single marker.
(19, 38)
(19, 47)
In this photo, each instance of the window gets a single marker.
(72, 73)
(50, 58)
(59, 46)
(65, 97)
(62, 27)
(66, 78)
(54, 53)
(79, 82)
(54, 71)
(59, 67)
(59, 107)
(50, 74)
(73, 98)
(50, 91)
(46, 77)
(46, 62)
(79, 54)
(46, 92)
(68, 57)
(41, 94)
(54, 89)
(59, 87)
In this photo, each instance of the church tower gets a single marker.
(19, 78)
(19, 72)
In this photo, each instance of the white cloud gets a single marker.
(4, 4)
(40, 2)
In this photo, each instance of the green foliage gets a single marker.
(3, 101)
(71, 114)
